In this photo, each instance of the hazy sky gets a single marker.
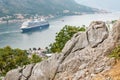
(112, 5)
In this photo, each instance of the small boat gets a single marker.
(36, 24)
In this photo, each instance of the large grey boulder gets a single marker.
(14, 74)
(84, 56)
(97, 33)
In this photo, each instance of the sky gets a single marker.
(110, 5)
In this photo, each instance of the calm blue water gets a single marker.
(10, 34)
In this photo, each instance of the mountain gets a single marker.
(111, 5)
(42, 7)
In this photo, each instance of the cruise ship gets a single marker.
(36, 24)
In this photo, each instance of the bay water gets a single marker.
(10, 34)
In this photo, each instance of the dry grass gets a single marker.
(112, 74)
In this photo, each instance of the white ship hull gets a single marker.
(34, 25)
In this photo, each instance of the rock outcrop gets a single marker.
(112, 74)
(84, 56)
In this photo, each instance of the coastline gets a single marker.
(51, 17)
(13, 37)
(12, 21)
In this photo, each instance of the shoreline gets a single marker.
(41, 39)
(12, 21)
(22, 20)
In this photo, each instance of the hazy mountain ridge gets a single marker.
(109, 5)
(43, 7)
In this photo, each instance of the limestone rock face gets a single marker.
(14, 74)
(116, 31)
(112, 74)
(97, 33)
(84, 56)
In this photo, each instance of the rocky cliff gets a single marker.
(83, 57)
(112, 74)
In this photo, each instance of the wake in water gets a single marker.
(8, 32)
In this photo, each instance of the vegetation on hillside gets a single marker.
(113, 21)
(13, 58)
(42, 7)
(115, 53)
(63, 36)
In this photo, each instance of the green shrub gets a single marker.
(35, 58)
(13, 58)
(63, 36)
(114, 21)
(115, 53)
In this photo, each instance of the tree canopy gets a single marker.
(63, 36)
(13, 58)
